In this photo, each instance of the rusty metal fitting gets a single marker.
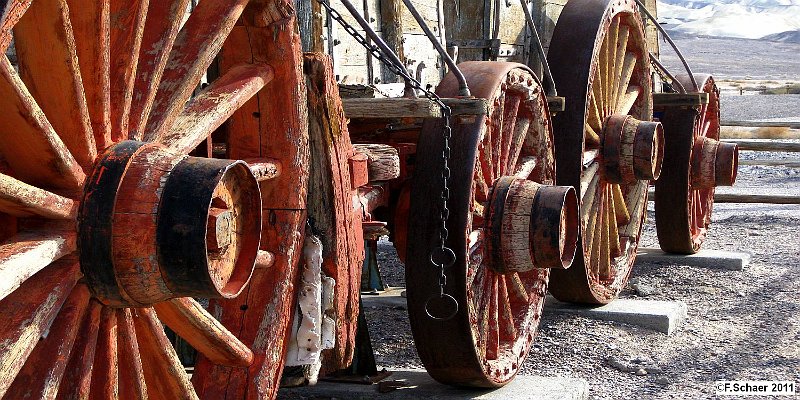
(633, 150)
(530, 225)
(714, 163)
(155, 226)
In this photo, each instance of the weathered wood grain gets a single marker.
(77, 379)
(105, 373)
(208, 110)
(91, 29)
(22, 200)
(28, 142)
(765, 145)
(330, 204)
(195, 47)
(44, 369)
(28, 312)
(131, 372)
(165, 376)
(164, 18)
(127, 29)
(48, 64)
(27, 253)
(205, 334)
(12, 12)
(384, 161)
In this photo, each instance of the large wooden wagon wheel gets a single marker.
(605, 146)
(115, 229)
(507, 227)
(698, 163)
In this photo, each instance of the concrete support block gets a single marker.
(660, 316)
(717, 259)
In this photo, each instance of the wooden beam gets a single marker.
(772, 163)
(679, 99)
(756, 198)
(765, 145)
(763, 124)
(400, 107)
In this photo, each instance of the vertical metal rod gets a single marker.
(409, 91)
(671, 43)
(550, 84)
(463, 89)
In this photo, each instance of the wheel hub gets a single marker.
(154, 225)
(633, 150)
(531, 225)
(714, 163)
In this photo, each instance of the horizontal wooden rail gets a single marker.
(747, 198)
(765, 145)
(763, 124)
(400, 107)
(772, 163)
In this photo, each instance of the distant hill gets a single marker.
(747, 19)
(786, 37)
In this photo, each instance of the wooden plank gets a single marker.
(392, 33)
(765, 145)
(756, 198)
(105, 376)
(78, 376)
(164, 19)
(384, 161)
(29, 143)
(165, 376)
(195, 47)
(91, 28)
(43, 371)
(209, 109)
(48, 64)
(330, 204)
(264, 169)
(27, 253)
(28, 312)
(772, 163)
(22, 200)
(131, 372)
(205, 334)
(127, 28)
(663, 100)
(400, 107)
(763, 124)
(11, 11)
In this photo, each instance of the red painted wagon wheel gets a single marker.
(507, 226)
(605, 146)
(111, 228)
(698, 163)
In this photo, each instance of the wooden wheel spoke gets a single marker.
(35, 152)
(195, 47)
(613, 230)
(517, 287)
(526, 167)
(493, 333)
(44, 368)
(127, 29)
(194, 324)
(48, 65)
(164, 18)
(613, 44)
(25, 254)
(636, 199)
(91, 26)
(214, 105)
(602, 72)
(600, 107)
(28, 312)
(619, 59)
(105, 372)
(622, 215)
(628, 99)
(604, 259)
(591, 218)
(496, 139)
(592, 137)
(508, 332)
(483, 300)
(628, 66)
(22, 200)
(163, 371)
(594, 115)
(78, 376)
(521, 129)
(508, 131)
(131, 379)
(10, 14)
(589, 182)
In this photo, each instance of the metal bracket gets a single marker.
(492, 45)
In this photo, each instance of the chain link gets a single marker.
(665, 80)
(446, 256)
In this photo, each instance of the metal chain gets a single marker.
(667, 83)
(441, 256)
